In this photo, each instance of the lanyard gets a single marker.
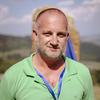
(49, 87)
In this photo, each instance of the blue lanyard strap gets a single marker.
(49, 87)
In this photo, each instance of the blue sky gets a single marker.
(16, 15)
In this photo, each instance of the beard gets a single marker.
(47, 53)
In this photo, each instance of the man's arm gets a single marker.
(89, 94)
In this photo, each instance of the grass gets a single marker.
(97, 92)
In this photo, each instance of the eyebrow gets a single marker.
(48, 31)
(60, 32)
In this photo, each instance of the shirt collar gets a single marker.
(29, 69)
(70, 64)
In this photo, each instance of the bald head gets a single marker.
(51, 11)
(51, 14)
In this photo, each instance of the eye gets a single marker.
(47, 34)
(61, 34)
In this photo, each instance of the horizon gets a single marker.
(29, 34)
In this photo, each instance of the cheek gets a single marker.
(42, 41)
(63, 43)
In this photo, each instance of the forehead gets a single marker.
(50, 11)
(52, 16)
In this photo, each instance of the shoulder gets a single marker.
(16, 71)
(12, 78)
(17, 68)
(79, 67)
(83, 72)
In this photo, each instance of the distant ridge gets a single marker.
(13, 42)
(89, 50)
(94, 39)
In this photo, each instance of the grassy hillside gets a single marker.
(90, 51)
(9, 43)
(13, 49)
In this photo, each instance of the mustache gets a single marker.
(54, 47)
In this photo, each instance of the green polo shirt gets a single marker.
(21, 82)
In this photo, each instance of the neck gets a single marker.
(49, 69)
(52, 64)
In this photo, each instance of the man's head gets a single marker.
(51, 33)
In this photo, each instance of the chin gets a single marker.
(53, 56)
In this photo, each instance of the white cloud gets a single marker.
(19, 26)
(17, 1)
(84, 11)
(26, 18)
(91, 2)
(15, 25)
(88, 9)
(66, 3)
(3, 12)
(86, 14)
(17, 20)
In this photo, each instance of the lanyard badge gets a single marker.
(49, 87)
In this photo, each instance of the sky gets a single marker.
(16, 15)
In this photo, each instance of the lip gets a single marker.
(53, 49)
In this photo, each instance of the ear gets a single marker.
(34, 34)
(68, 35)
(34, 39)
(34, 30)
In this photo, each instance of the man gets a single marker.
(48, 74)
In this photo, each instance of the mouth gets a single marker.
(53, 49)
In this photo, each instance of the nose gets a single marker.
(54, 41)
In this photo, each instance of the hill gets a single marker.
(13, 49)
(89, 51)
(94, 39)
(90, 47)
(9, 43)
